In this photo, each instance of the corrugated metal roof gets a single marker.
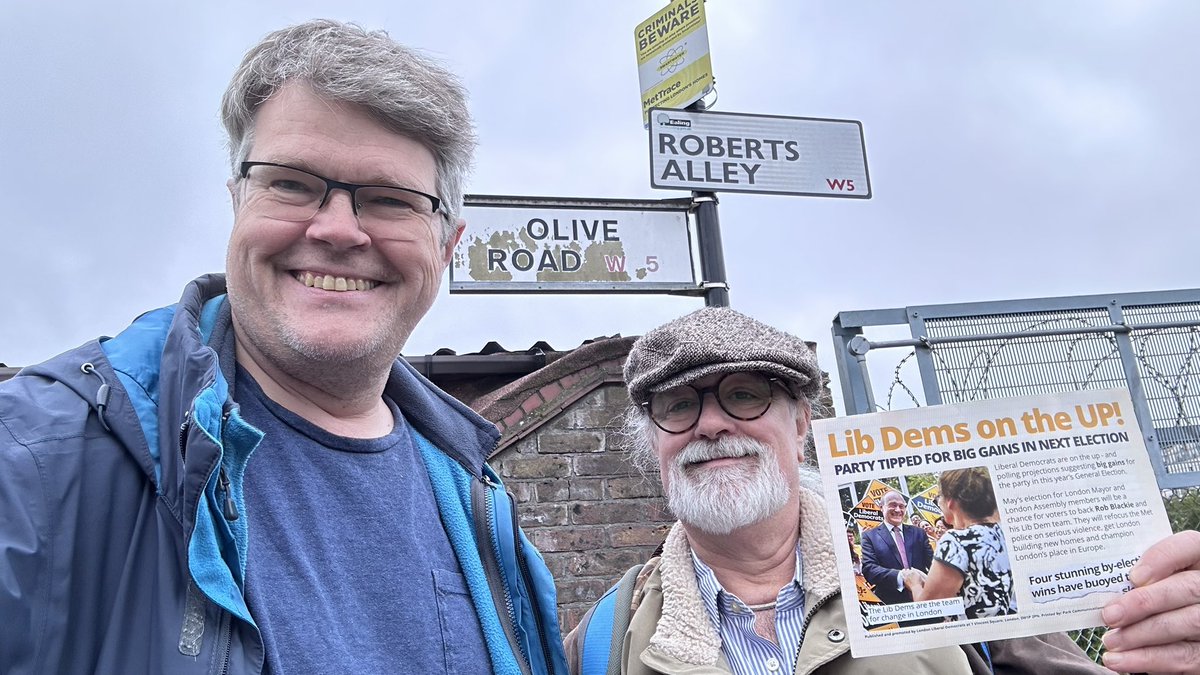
(492, 359)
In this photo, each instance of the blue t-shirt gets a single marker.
(349, 569)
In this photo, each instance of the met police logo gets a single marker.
(665, 120)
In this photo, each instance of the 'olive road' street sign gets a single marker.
(570, 245)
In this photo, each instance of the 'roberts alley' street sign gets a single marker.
(737, 152)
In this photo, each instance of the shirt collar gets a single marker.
(714, 596)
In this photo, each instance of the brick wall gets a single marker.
(580, 500)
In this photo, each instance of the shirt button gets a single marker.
(773, 664)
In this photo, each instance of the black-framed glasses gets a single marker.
(743, 395)
(286, 193)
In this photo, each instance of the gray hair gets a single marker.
(639, 432)
(402, 89)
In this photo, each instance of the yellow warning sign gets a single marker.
(674, 68)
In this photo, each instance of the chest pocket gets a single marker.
(463, 646)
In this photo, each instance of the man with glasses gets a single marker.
(251, 480)
(746, 581)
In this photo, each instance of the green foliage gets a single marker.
(1089, 640)
(1183, 509)
(919, 482)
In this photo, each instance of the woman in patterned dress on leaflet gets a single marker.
(971, 559)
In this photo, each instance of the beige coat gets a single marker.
(669, 631)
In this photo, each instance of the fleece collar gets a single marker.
(684, 632)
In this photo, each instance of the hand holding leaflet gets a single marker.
(1156, 626)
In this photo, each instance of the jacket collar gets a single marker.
(168, 356)
(453, 428)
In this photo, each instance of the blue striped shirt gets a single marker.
(748, 652)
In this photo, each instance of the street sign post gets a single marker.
(536, 244)
(674, 68)
(738, 152)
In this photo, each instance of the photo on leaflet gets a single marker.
(927, 537)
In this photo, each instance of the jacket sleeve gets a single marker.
(875, 573)
(922, 556)
(24, 557)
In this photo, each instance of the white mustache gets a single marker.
(721, 501)
(721, 448)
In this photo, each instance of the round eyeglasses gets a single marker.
(743, 395)
(286, 193)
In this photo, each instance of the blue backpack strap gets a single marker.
(605, 629)
(986, 652)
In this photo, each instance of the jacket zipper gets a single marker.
(230, 509)
(490, 515)
(228, 506)
(812, 611)
(183, 430)
(225, 642)
(491, 565)
(808, 616)
(524, 567)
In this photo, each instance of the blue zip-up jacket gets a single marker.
(121, 467)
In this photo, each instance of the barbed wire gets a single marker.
(1188, 367)
(897, 381)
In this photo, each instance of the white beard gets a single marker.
(721, 500)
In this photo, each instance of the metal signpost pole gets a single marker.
(708, 236)
(712, 257)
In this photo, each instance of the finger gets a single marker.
(1181, 590)
(1180, 657)
(1180, 551)
(1175, 626)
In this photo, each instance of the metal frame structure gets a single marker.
(1130, 325)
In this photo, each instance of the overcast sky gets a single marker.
(1016, 149)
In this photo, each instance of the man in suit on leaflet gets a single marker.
(894, 550)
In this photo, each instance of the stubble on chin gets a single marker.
(341, 365)
(346, 366)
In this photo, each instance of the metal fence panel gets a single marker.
(1146, 342)
(997, 368)
(1168, 362)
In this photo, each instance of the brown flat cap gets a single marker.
(717, 340)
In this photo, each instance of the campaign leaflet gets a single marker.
(1033, 510)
